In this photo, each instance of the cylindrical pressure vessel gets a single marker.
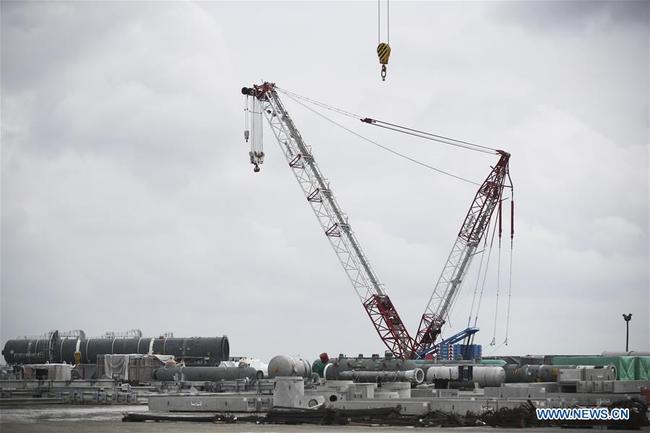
(374, 363)
(441, 372)
(206, 374)
(361, 363)
(530, 373)
(194, 351)
(415, 376)
(33, 351)
(488, 376)
(282, 365)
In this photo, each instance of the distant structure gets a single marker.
(57, 347)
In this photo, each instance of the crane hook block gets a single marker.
(383, 51)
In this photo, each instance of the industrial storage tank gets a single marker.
(206, 374)
(481, 375)
(35, 351)
(530, 373)
(31, 350)
(415, 376)
(193, 351)
(488, 376)
(361, 363)
(283, 365)
(442, 372)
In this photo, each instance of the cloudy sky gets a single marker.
(128, 200)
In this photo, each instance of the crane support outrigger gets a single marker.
(338, 231)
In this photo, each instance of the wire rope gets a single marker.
(487, 266)
(386, 148)
(398, 128)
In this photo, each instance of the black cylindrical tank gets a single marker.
(125, 345)
(144, 344)
(194, 351)
(31, 350)
(159, 345)
(65, 348)
(26, 351)
(93, 347)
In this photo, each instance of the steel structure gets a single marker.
(336, 227)
(471, 232)
(333, 222)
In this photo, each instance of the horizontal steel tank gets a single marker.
(530, 373)
(442, 372)
(373, 363)
(31, 350)
(55, 349)
(283, 365)
(481, 375)
(488, 376)
(205, 374)
(361, 363)
(415, 376)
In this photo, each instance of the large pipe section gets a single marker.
(282, 365)
(55, 349)
(530, 373)
(204, 374)
(481, 375)
(31, 351)
(442, 372)
(361, 363)
(538, 373)
(415, 376)
(488, 376)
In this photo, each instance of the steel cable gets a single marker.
(381, 146)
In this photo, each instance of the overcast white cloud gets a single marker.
(128, 200)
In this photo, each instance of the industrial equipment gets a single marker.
(383, 48)
(336, 226)
(282, 365)
(74, 350)
(333, 221)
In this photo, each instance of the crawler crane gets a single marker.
(336, 227)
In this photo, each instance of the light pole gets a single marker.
(627, 318)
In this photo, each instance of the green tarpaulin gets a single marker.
(626, 366)
(642, 368)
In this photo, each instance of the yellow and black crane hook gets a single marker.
(383, 51)
(383, 48)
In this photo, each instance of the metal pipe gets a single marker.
(436, 373)
(415, 376)
(627, 318)
(206, 374)
(488, 375)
